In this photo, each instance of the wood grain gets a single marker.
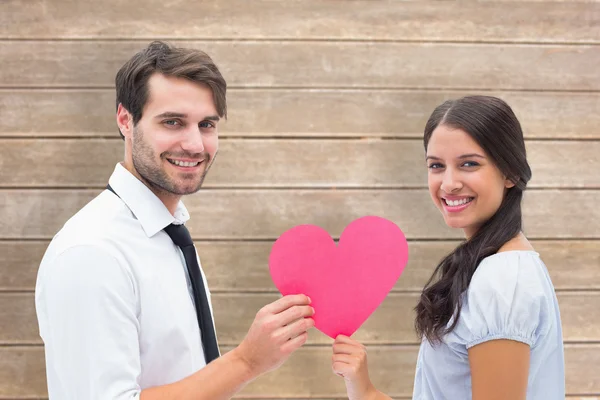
(305, 163)
(392, 322)
(307, 374)
(300, 112)
(556, 214)
(242, 266)
(517, 21)
(346, 73)
(320, 64)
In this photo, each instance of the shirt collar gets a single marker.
(143, 203)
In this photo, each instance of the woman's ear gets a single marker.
(509, 183)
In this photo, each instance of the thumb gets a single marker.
(338, 369)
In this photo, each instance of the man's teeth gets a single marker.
(184, 163)
(454, 203)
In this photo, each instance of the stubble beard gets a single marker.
(154, 174)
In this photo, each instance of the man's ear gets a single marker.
(124, 121)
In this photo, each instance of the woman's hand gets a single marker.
(350, 362)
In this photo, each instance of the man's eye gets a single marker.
(172, 122)
(206, 124)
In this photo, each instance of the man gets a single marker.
(121, 301)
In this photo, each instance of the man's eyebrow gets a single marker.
(169, 114)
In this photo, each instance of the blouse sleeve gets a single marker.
(506, 300)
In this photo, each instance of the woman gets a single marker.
(488, 317)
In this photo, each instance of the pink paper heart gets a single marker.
(347, 282)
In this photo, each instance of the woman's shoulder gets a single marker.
(516, 266)
(510, 296)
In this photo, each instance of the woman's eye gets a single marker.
(470, 164)
(435, 166)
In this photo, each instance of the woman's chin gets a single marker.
(455, 224)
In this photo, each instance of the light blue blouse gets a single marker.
(511, 297)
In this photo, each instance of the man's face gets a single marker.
(174, 144)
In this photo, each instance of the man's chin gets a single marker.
(184, 190)
(179, 189)
(183, 187)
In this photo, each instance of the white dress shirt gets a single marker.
(114, 301)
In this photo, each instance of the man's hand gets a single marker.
(279, 329)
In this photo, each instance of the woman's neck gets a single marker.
(519, 242)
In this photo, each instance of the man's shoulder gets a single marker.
(97, 235)
(101, 221)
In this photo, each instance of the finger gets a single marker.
(294, 329)
(294, 344)
(294, 313)
(345, 339)
(341, 369)
(347, 349)
(286, 302)
(338, 368)
(344, 359)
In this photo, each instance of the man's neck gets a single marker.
(170, 200)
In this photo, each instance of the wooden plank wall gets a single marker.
(328, 100)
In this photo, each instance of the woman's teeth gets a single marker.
(454, 203)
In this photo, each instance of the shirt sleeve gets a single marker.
(87, 310)
(506, 300)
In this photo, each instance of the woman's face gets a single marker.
(464, 183)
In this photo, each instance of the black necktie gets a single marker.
(180, 235)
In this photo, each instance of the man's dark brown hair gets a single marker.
(159, 57)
